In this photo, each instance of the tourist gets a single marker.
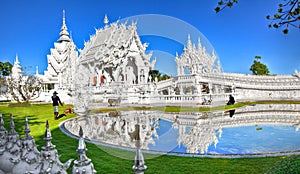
(231, 100)
(55, 101)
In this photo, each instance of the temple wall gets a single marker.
(256, 94)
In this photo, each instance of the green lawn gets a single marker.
(105, 160)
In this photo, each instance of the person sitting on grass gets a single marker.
(231, 100)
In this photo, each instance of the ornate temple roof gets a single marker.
(113, 43)
(197, 60)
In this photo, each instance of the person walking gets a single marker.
(55, 101)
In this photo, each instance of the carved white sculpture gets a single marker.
(196, 60)
(83, 164)
(30, 156)
(49, 159)
(12, 150)
(3, 141)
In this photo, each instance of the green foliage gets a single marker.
(19, 105)
(156, 74)
(225, 3)
(5, 68)
(163, 77)
(287, 165)
(105, 162)
(258, 68)
(288, 14)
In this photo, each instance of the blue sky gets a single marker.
(29, 28)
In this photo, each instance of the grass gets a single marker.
(193, 109)
(106, 160)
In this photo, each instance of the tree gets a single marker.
(5, 68)
(258, 68)
(163, 77)
(156, 74)
(24, 88)
(223, 4)
(288, 13)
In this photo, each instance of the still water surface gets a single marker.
(259, 129)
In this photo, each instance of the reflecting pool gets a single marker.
(253, 130)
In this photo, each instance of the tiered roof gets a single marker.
(63, 51)
(113, 43)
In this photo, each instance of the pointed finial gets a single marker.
(27, 130)
(2, 128)
(105, 20)
(37, 70)
(12, 126)
(1, 121)
(83, 164)
(48, 133)
(64, 16)
(80, 132)
(48, 137)
(138, 139)
(199, 43)
(139, 164)
(64, 34)
(189, 42)
(81, 144)
(71, 35)
(17, 59)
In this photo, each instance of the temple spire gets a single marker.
(189, 43)
(17, 59)
(105, 20)
(36, 70)
(64, 34)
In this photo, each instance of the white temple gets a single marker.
(113, 65)
(61, 62)
(16, 69)
(116, 54)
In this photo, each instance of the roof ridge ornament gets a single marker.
(64, 34)
(105, 20)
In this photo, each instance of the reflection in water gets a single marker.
(194, 133)
(117, 130)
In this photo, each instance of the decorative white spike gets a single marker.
(64, 34)
(105, 20)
